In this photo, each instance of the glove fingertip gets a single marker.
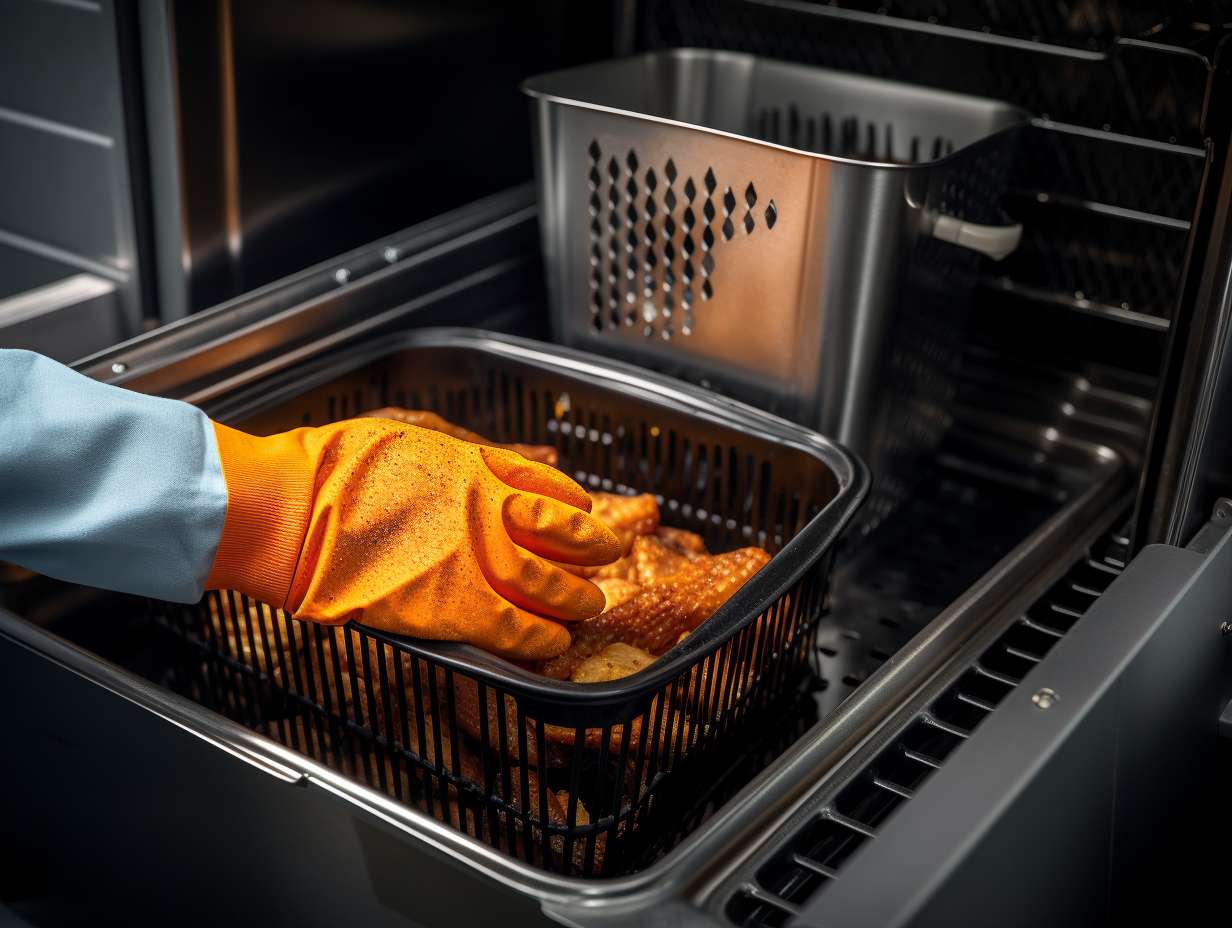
(545, 640)
(523, 474)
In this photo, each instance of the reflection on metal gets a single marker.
(255, 176)
(230, 143)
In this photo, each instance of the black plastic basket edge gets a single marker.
(813, 542)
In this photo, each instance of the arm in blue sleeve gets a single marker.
(103, 486)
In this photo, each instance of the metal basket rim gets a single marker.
(530, 87)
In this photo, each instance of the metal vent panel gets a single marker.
(656, 237)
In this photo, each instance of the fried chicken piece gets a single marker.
(670, 725)
(613, 662)
(619, 569)
(654, 618)
(682, 541)
(649, 560)
(466, 817)
(653, 561)
(468, 713)
(544, 454)
(617, 590)
(627, 516)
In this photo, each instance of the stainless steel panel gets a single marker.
(51, 58)
(1092, 809)
(66, 319)
(67, 187)
(284, 133)
(234, 847)
(60, 189)
(21, 271)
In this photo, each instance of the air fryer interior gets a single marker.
(1067, 338)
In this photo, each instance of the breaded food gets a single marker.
(682, 541)
(613, 662)
(627, 516)
(654, 618)
(616, 590)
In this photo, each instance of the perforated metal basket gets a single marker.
(801, 238)
(581, 779)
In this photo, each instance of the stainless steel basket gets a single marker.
(800, 238)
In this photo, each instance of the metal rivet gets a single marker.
(390, 254)
(1044, 698)
(342, 275)
(1225, 628)
(119, 367)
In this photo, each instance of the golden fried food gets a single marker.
(627, 516)
(682, 541)
(613, 662)
(469, 716)
(649, 560)
(664, 727)
(655, 617)
(654, 562)
(617, 590)
(544, 454)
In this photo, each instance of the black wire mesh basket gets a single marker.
(586, 780)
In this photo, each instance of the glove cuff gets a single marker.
(269, 500)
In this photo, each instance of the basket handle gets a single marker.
(995, 241)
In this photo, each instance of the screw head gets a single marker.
(1044, 698)
(390, 254)
(119, 367)
(1225, 628)
(342, 275)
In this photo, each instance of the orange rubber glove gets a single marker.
(411, 531)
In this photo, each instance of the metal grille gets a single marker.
(1064, 22)
(1136, 89)
(816, 854)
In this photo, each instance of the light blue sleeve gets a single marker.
(103, 486)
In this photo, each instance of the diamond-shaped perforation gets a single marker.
(595, 203)
(652, 255)
(633, 260)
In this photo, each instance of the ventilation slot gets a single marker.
(847, 137)
(816, 854)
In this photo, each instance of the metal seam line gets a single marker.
(56, 128)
